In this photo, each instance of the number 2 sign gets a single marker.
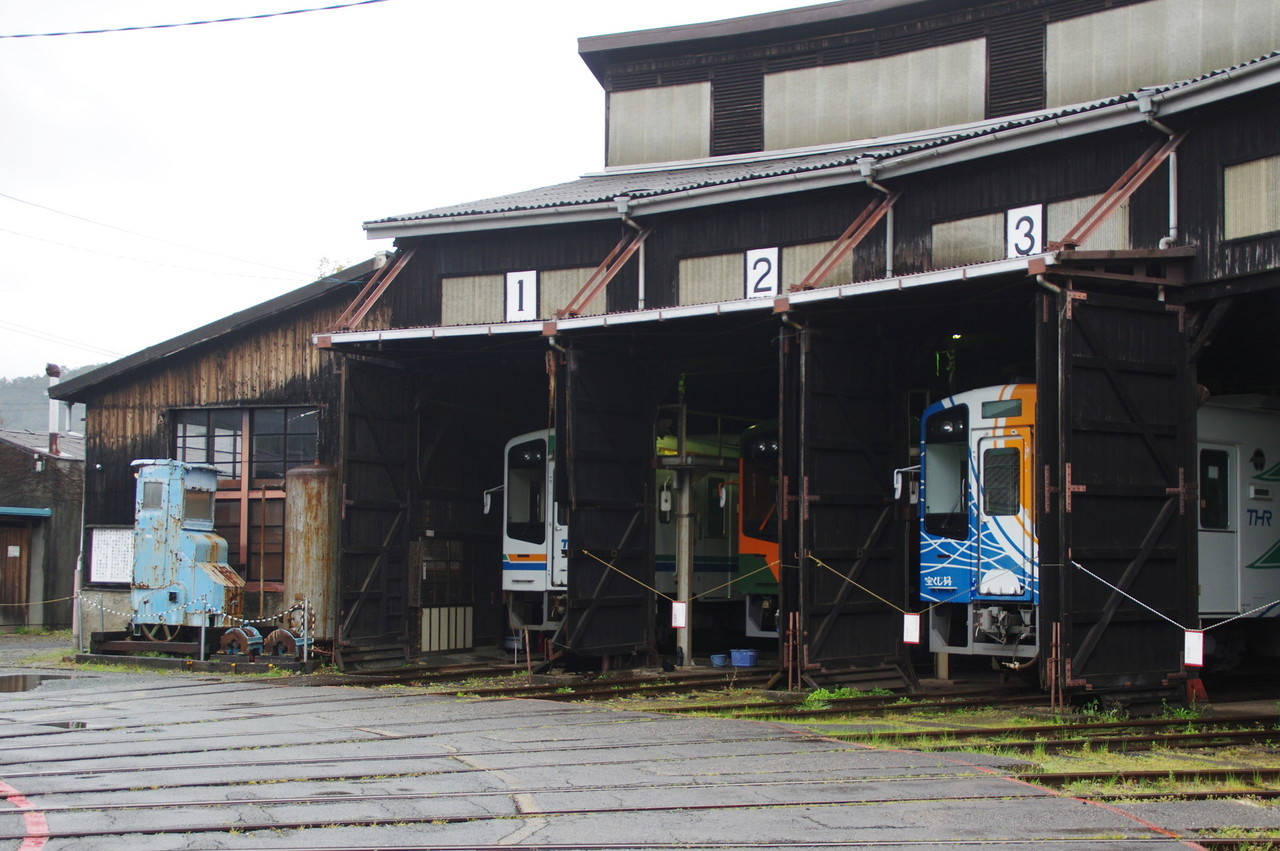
(1023, 231)
(762, 273)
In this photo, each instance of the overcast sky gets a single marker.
(156, 180)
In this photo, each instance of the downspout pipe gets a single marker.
(1147, 106)
(623, 203)
(867, 168)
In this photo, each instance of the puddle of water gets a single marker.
(23, 682)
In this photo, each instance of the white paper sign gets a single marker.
(1023, 231)
(910, 628)
(679, 614)
(522, 296)
(762, 273)
(111, 555)
(1193, 648)
(15, 551)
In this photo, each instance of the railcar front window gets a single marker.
(526, 484)
(759, 487)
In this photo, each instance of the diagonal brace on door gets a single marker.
(370, 294)
(848, 241)
(604, 273)
(1119, 192)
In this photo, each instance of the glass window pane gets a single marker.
(192, 440)
(197, 505)
(226, 454)
(1215, 491)
(226, 420)
(303, 421)
(717, 514)
(945, 484)
(268, 421)
(301, 449)
(152, 494)
(1000, 477)
(268, 456)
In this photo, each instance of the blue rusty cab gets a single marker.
(180, 572)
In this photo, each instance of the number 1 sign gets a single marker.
(522, 296)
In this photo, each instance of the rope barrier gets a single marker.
(672, 599)
(1161, 615)
(42, 602)
(888, 603)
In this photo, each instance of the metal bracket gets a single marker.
(1126, 185)
(848, 241)
(1070, 488)
(1183, 491)
(1072, 297)
(604, 273)
(373, 290)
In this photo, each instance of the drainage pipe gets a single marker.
(1147, 106)
(867, 167)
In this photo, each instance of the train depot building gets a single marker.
(557, 411)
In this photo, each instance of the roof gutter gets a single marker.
(1017, 266)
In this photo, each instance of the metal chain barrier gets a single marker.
(184, 608)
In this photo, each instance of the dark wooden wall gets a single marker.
(274, 363)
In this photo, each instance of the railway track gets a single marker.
(407, 769)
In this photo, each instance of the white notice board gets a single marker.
(111, 556)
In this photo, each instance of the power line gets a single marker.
(146, 236)
(54, 338)
(197, 23)
(150, 262)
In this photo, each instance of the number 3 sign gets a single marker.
(1023, 231)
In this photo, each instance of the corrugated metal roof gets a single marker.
(70, 446)
(669, 179)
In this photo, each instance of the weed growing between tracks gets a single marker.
(1032, 736)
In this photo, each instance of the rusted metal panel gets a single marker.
(312, 518)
